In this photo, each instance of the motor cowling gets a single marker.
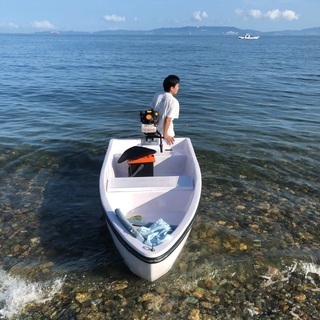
(149, 121)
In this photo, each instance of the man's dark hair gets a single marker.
(170, 81)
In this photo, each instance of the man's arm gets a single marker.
(169, 139)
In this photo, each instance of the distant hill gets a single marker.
(303, 32)
(214, 31)
(183, 31)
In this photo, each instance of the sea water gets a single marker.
(251, 109)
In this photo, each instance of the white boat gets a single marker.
(247, 36)
(169, 189)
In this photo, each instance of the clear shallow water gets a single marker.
(250, 108)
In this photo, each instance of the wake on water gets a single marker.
(16, 293)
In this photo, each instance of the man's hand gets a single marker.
(169, 140)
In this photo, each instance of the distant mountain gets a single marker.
(303, 32)
(214, 31)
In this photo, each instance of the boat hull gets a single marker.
(172, 194)
(152, 269)
(248, 37)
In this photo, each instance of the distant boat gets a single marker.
(247, 36)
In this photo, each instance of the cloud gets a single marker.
(43, 25)
(199, 16)
(290, 15)
(255, 13)
(239, 12)
(114, 18)
(275, 14)
(9, 25)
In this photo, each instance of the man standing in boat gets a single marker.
(168, 107)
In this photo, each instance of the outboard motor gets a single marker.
(149, 120)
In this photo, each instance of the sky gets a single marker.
(24, 16)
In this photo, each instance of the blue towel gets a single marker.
(156, 233)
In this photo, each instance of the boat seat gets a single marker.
(161, 183)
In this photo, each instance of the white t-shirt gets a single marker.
(168, 107)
